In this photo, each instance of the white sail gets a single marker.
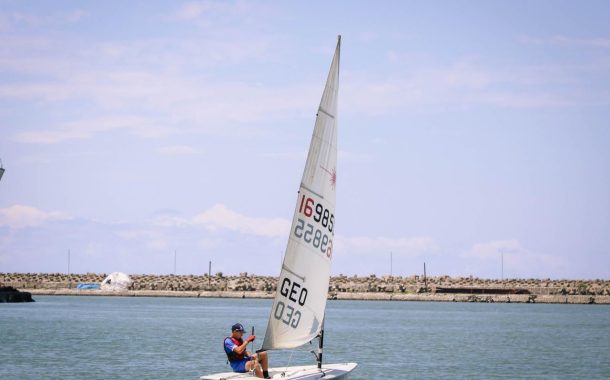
(300, 300)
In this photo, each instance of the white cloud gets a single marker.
(518, 261)
(78, 130)
(171, 221)
(220, 217)
(155, 87)
(20, 216)
(468, 82)
(168, 84)
(157, 244)
(192, 10)
(210, 243)
(13, 19)
(208, 13)
(493, 249)
(153, 236)
(149, 103)
(74, 16)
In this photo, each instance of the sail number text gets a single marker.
(292, 291)
(321, 215)
(315, 233)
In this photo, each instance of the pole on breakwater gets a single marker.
(390, 264)
(502, 257)
(210, 274)
(425, 280)
(69, 275)
(174, 262)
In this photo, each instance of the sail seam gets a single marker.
(284, 267)
(325, 112)
(311, 191)
(313, 251)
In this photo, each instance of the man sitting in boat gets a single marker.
(240, 359)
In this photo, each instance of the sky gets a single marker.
(157, 136)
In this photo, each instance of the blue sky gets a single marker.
(468, 131)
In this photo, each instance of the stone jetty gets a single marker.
(10, 294)
(397, 288)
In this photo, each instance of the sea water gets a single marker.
(181, 338)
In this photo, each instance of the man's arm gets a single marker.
(242, 349)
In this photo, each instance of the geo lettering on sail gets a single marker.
(292, 291)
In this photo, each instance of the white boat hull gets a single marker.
(308, 372)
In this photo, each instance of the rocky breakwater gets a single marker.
(244, 285)
(10, 294)
(48, 280)
(470, 289)
(416, 288)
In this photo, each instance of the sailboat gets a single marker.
(297, 314)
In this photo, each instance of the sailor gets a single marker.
(242, 360)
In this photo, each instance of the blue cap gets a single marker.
(237, 327)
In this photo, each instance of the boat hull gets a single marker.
(308, 372)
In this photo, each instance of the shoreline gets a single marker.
(422, 297)
(387, 288)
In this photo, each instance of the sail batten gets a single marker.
(298, 308)
(325, 112)
(311, 191)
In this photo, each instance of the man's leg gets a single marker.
(253, 365)
(264, 360)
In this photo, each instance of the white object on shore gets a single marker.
(116, 281)
(297, 314)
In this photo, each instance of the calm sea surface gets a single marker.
(181, 338)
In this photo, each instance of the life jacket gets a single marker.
(234, 356)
